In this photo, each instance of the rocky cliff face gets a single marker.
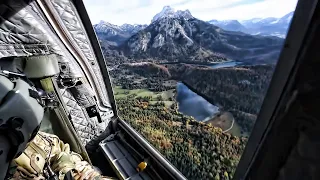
(168, 12)
(180, 39)
(178, 36)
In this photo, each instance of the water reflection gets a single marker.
(226, 64)
(194, 105)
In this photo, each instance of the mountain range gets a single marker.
(178, 36)
(258, 26)
(115, 35)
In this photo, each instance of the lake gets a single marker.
(226, 64)
(230, 63)
(192, 104)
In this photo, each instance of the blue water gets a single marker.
(191, 104)
(226, 64)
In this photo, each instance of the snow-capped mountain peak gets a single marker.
(287, 18)
(116, 34)
(185, 14)
(255, 20)
(225, 22)
(134, 27)
(169, 12)
(103, 24)
(258, 26)
(106, 27)
(127, 26)
(270, 20)
(213, 21)
(231, 25)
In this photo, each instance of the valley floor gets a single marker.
(223, 120)
(155, 97)
(147, 97)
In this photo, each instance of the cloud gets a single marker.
(142, 11)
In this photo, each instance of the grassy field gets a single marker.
(167, 96)
(236, 130)
(224, 121)
(119, 92)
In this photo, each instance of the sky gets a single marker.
(142, 11)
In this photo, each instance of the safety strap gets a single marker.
(83, 95)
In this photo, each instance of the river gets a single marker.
(190, 103)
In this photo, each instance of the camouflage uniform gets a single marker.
(48, 148)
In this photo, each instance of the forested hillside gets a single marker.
(198, 150)
(238, 90)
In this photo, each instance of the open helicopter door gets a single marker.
(85, 114)
(125, 148)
